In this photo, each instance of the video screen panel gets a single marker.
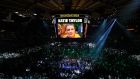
(70, 30)
(70, 26)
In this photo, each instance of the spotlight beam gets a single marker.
(100, 30)
(100, 43)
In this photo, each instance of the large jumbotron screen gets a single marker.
(70, 26)
(70, 30)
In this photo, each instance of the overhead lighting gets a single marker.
(20, 15)
(16, 12)
(35, 14)
(23, 16)
(131, 29)
(2, 30)
(27, 70)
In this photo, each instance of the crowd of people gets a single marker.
(52, 61)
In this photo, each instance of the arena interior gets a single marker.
(69, 39)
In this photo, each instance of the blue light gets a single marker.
(101, 38)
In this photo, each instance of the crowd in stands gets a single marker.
(56, 62)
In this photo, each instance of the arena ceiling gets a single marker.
(48, 7)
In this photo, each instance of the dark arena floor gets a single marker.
(69, 39)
